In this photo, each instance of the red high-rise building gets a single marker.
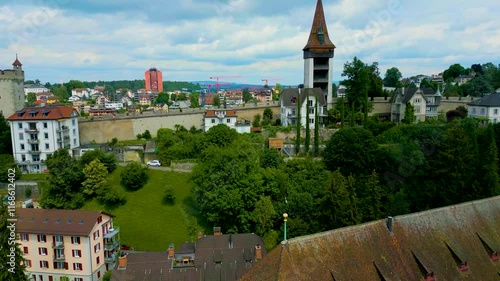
(154, 80)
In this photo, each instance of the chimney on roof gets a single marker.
(217, 231)
(258, 252)
(389, 224)
(171, 251)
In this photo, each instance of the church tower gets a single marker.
(12, 89)
(318, 56)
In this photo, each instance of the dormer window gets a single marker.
(45, 113)
(20, 113)
(294, 100)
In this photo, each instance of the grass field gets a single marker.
(145, 222)
(34, 177)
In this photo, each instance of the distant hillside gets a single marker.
(135, 85)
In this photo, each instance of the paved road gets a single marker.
(169, 169)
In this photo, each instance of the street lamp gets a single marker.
(285, 215)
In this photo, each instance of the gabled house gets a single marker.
(414, 96)
(211, 257)
(289, 100)
(80, 92)
(486, 107)
(145, 100)
(433, 102)
(101, 100)
(219, 116)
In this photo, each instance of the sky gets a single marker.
(192, 40)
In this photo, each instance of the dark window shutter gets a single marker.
(65, 265)
(39, 251)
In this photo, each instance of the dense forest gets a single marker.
(364, 175)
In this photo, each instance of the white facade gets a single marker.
(80, 92)
(34, 136)
(35, 89)
(223, 116)
(114, 105)
(289, 111)
(492, 113)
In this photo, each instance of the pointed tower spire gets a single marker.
(318, 38)
(17, 62)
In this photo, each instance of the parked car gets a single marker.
(154, 163)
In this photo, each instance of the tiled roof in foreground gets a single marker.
(458, 242)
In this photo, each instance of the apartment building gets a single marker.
(79, 244)
(39, 131)
(289, 107)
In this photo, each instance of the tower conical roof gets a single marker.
(318, 38)
(17, 62)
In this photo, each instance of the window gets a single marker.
(416, 100)
(99, 219)
(59, 265)
(97, 247)
(46, 135)
(74, 141)
(482, 111)
(77, 253)
(473, 111)
(74, 132)
(495, 111)
(310, 102)
(96, 234)
(25, 250)
(44, 264)
(41, 238)
(75, 240)
(46, 146)
(22, 146)
(98, 260)
(27, 263)
(311, 110)
(25, 237)
(21, 136)
(20, 125)
(228, 120)
(311, 120)
(78, 279)
(73, 122)
(23, 158)
(50, 278)
(77, 266)
(45, 126)
(42, 251)
(213, 121)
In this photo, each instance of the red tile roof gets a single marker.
(229, 113)
(319, 24)
(51, 221)
(435, 241)
(43, 113)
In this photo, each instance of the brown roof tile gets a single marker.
(436, 241)
(319, 25)
(51, 221)
(43, 113)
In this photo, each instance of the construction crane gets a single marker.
(217, 84)
(209, 86)
(270, 79)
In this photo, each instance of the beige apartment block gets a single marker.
(79, 244)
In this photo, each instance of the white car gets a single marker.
(154, 163)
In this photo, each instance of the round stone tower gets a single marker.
(12, 89)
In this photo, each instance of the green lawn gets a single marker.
(34, 177)
(145, 222)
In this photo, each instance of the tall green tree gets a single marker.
(162, 98)
(247, 96)
(5, 138)
(268, 113)
(221, 135)
(298, 125)
(96, 178)
(216, 101)
(6, 165)
(392, 77)
(357, 83)
(12, 266)
(307, 141)
(488, 176)
(64, 182)
(108, 159)
(409, 114)
(352, 150)
(134, 176)
(263, 215)
(195, 102)
(371, 198)
(453, 72)
(316, 129)
(30, 98)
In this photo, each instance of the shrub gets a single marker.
(134, 176)
(28, 192)
(169, 197)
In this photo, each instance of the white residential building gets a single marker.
(220, 116)
(39, 131)
(80, 92)
(288, 106)
(416, 97)
(35, 88)
(487, 107)
(114, 105)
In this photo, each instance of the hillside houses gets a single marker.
(424, 101)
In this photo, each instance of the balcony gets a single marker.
(110, 259)
(64, 139)
(57, 245)
(111, 245)
(112, 232)
(34, 152)
(60, 258)
(291, 115)
(33, 141)
(31, 130)
(62, 129)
